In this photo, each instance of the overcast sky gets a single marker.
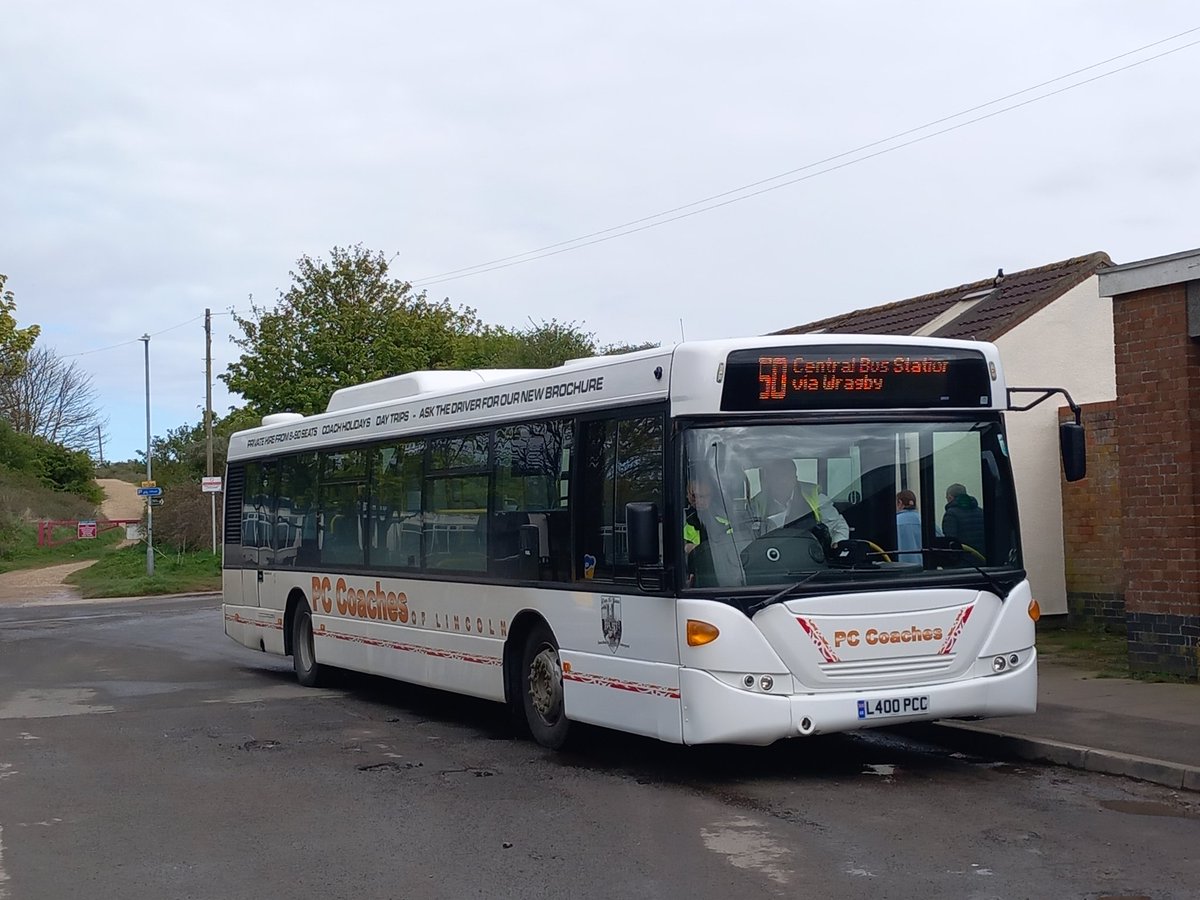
(161, 158)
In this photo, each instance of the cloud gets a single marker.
(161, 159)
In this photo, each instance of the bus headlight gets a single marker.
(999, 664)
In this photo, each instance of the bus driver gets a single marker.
(785, 500)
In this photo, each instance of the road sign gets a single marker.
(149, 491)
(148, 484)
(85, 530)
(155, 501)
(211, 484)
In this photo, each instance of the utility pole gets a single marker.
(208, 415)
(100, 442)
(145, 339)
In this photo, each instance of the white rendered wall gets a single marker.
(1068, 344)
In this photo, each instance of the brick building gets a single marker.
(1095, 572)
(1154, 433)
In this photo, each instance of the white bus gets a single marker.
(610, 542)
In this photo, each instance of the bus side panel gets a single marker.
(258, 629)
(620, 661)
(632, 695)
(465, 664)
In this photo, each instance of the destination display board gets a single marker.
(855, 377)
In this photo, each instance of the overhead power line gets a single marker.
(765, 185)
(139, 340)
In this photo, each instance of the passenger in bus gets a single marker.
(785, 500)
(703, 527)
(963, 519)
(908, 527)
(700, 517)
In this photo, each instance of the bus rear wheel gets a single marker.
(542, 689)
(309, 672)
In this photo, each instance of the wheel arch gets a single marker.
(518, 632)
(295, 598)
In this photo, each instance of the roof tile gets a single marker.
(1016, 296)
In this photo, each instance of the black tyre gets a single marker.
(304, 660)
(542, 689)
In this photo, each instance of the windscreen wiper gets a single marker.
(995, 585)
(780, 596)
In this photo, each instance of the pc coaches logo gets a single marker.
(610, 621)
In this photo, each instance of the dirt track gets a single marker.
(120, 499)
(120, 502)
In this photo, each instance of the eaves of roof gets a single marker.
(1007, 301)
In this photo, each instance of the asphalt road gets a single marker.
(144, 755)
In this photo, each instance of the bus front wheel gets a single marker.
(542, 689)
(304, 659)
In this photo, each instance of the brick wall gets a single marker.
(1092, 525)
(1158, 432)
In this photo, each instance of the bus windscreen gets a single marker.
(854, 377)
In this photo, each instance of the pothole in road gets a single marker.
(475, 773)
(1145, 808)
(389, 766)
(260, 745)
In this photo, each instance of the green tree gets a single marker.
(181, 455)
(542, 345)
(614, 349)
(342, 322)
(14, 342)
(180, 461)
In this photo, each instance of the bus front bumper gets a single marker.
(716, 713)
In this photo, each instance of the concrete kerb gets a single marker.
(979, 741)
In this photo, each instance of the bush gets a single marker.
(184, 521)
(23, 496)
(60, 469)
(10, 532)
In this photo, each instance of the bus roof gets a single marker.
(691, 375)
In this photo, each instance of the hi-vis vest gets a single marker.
(691, 533)
(813, 502)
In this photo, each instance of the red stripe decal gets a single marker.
(956, 629)
(818, 640)
(241, 620)
(435, 652)
(654, 690)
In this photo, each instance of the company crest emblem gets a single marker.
(610, 621)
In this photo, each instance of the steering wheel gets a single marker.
(782, 554)
(875, 547)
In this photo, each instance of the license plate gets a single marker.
(893, 706)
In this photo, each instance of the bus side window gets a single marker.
(622, 462)
(342, 507)
(531, 492)
(396, 505)
(258, 514)
(455, 503)
(295, 514)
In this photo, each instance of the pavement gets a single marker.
(1118, 726)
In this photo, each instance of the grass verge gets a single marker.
(123, 574)
(1105, 655)
(1101, 653)
(22, 550)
